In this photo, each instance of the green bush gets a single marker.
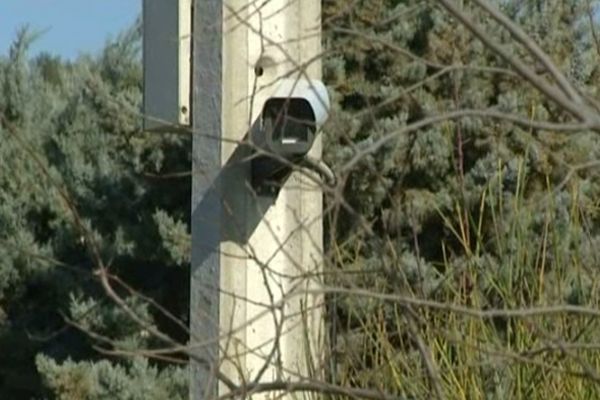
(470, 213)
(76, 168)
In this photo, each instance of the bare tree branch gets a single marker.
(520, 35)
(580, 111)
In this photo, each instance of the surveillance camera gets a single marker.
(287, 129)
(291, 117)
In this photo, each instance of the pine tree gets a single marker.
(472, 211)
(76, 167)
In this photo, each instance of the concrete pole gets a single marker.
(206, 196)
(263, 252)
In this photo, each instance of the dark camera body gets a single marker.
(286, 132)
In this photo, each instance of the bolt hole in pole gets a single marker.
(262, 65)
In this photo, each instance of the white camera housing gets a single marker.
(291, 117)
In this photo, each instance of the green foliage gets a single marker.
(103, 380)
(470, 212)
(79, 174)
